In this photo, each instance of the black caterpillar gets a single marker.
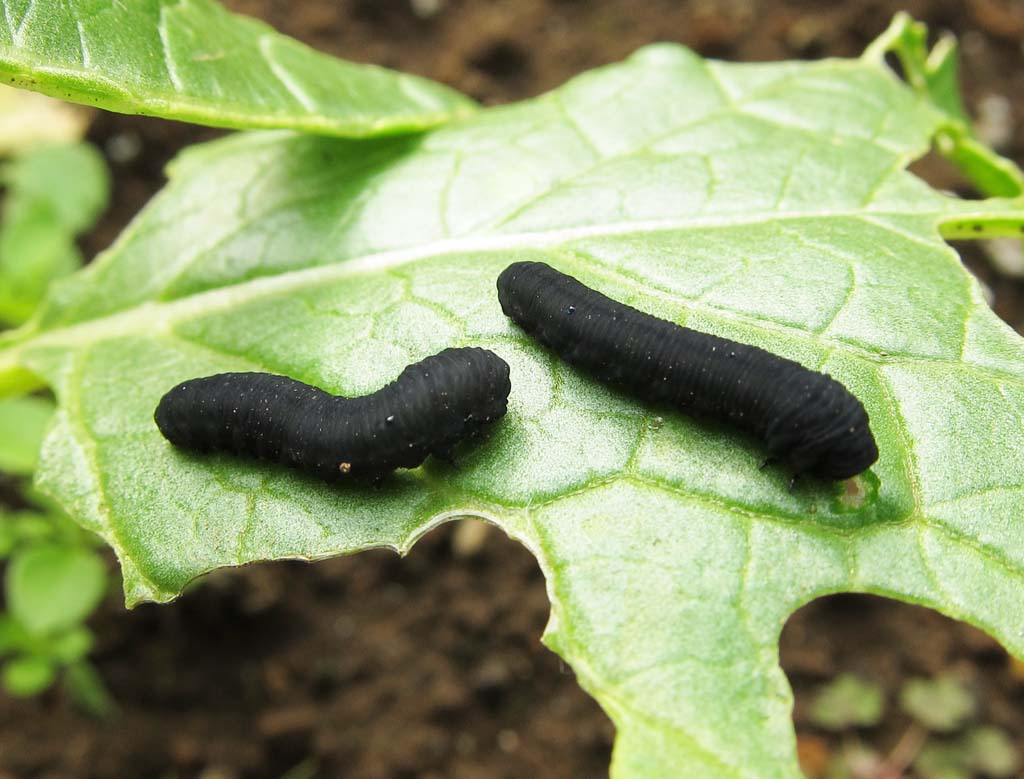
(808, 420)
(431, 406)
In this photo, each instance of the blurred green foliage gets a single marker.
(941, 742)
(848, 701)
(54, 576)
(53, 193)
(942, 705)
(22, 423)
(986, 752)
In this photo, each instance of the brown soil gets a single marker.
(372, 667)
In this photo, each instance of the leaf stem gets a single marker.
(969, 227)
(935, 75)
(888, 41)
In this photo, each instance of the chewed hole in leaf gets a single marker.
(894, 64)
(762, 202)
(1001, 288)
(942, 174)
(877, 681)
(855, 492)
(440, 646)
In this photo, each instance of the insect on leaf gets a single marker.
(766, 203)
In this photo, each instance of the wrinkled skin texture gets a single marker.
(431, 406)
(808, 420)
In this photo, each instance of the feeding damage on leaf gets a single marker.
(764, 204)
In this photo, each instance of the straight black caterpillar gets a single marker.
(808, 420)
(431, 406)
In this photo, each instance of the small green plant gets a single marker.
(943, 740)
(52, 194)
(22, 424)
(848, 702)
(51, 587)
(54, 577)
(981, 752)
(942, 705)
(53, 580)
(768, 203)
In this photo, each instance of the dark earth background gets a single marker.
(375, 667)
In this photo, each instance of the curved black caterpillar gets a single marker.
(431, 406)
(808, 420)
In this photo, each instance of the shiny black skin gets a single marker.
(808, 420)
(431, 406)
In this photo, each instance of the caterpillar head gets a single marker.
(823, 430)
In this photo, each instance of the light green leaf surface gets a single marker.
(28, 675)
(72, 646)
(768, 203)
(30, 526)
(22, 424)
(52, 587)
(34, 251)
(52, 193)
(12, 635)
(192, 60)
(71, 179)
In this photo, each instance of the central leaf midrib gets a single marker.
(158, 316)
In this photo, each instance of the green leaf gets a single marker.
(51, 587)
(70, 180)
(30, 526)
(848, 701)
(86, 688)
(72, 646)
(34, 251)
(768, 203)
(8, 538)
(22, 424)
(19, 527)
(54, 192)
(943, 761)
(943, 705)
(28, 675)
(193, 61)
(936, 74)
(12, 634)
(992, 752)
